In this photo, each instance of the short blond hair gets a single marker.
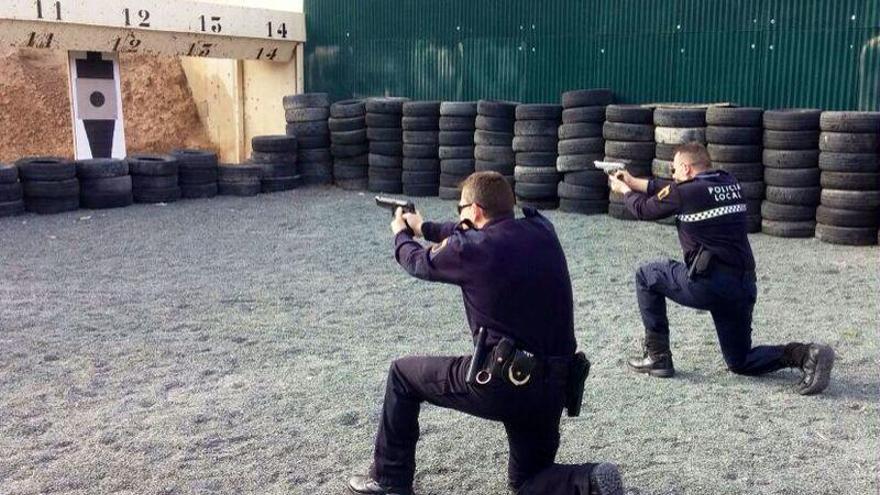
(695, 154)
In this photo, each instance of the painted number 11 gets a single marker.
(57, 10)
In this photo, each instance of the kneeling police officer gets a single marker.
(718, 274)
(518, 299)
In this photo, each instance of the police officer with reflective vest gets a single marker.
(718, 274)
(524, 371)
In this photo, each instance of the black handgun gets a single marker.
(393, 204)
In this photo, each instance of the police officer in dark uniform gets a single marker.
(718, 274)
(518, 300)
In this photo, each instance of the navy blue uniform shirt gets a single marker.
(710, 211)
(512, 273)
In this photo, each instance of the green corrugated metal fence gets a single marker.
(768, 53)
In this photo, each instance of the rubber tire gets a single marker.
(359, 184)
(279, 184)
(629, 114)
(8, 174)
(538, 111)
(587, 178)
(494, 124)
(536, 175)
(45, 168)
(457, 123)
(545, 159)
(275, 143)
(577, 163)
(571, 191)
(98, 168)
(421, 190)
(50, 188)
(384, 120)
(587, 97)
(850, 182)
(849, 162)
(449, 193)
(499, 154)
(497, 108)
(595, 114)
(616, 131)
(583, 207)
(385, 134)
(802, 196)
(198, 191)
(846, 235)
(492, 138)
(792, 119)
(384, 186)
(680, 117)
(792, 177)
(630, 150)
(168, 195)
(734, 153)
(139, 182)
(346, 109)
(791, 140)
(679, 135)
(387, 148)
(790, 158)
(455, 138)
(358, 136)
(788, 229)
(734, 135)
(11, 192)
(384, 161)
(385, 174)
(306, 100)
(536, 128)
(579, 130)
(346, 124)
(843, 142)
(735, 117)
(537, 144)
(51, 206)
(458, 109)
(349, 150)
(850, 200)
(847, 218)
(850, 122)
(661, 169)
(456, 152)
(501, 168)
(11, 208)
(457, 166)
(391, 105)
(409, 123)
(421, 109)
(744, 172)
(787, 213)
(239, 173)
(303, 129)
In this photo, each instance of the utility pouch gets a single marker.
(503, 352)
(519, 368)
(574, 386)
(700, 263)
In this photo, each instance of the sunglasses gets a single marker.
(462, 207)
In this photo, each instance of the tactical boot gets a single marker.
(364, 485)
(659, 365)
(602, 479)
(816, 368)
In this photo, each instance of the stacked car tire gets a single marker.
(384, 132)
(306, 116)
(104, 183)
(849, 211)
(535, 146)
(421, 163)
(791, 159)
(196, 173)
(277, 157)
(584, 188)
(239, 180)
(629, 139)
(493, 137)
(350, 148)
(673, 127)
(11, 195)
(49, 184)
(154, 178)
(456, 152)
(735, 137)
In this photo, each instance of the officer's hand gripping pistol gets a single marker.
(393, 204)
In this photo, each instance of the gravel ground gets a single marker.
(240, 345)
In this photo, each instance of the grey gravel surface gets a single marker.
(240, 345)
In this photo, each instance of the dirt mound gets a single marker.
(35, 105)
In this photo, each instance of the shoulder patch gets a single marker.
(661, 195)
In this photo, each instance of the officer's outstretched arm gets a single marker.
(666, 202)
(442, 262)
(436, 232)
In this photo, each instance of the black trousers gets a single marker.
(730, 298)
(530, 415)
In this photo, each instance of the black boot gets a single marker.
(565, 479)
(815, 362)
(605, 479)
(656, 358)
(364, 485)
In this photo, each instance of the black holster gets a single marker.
(700, 263)
(574, 386)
